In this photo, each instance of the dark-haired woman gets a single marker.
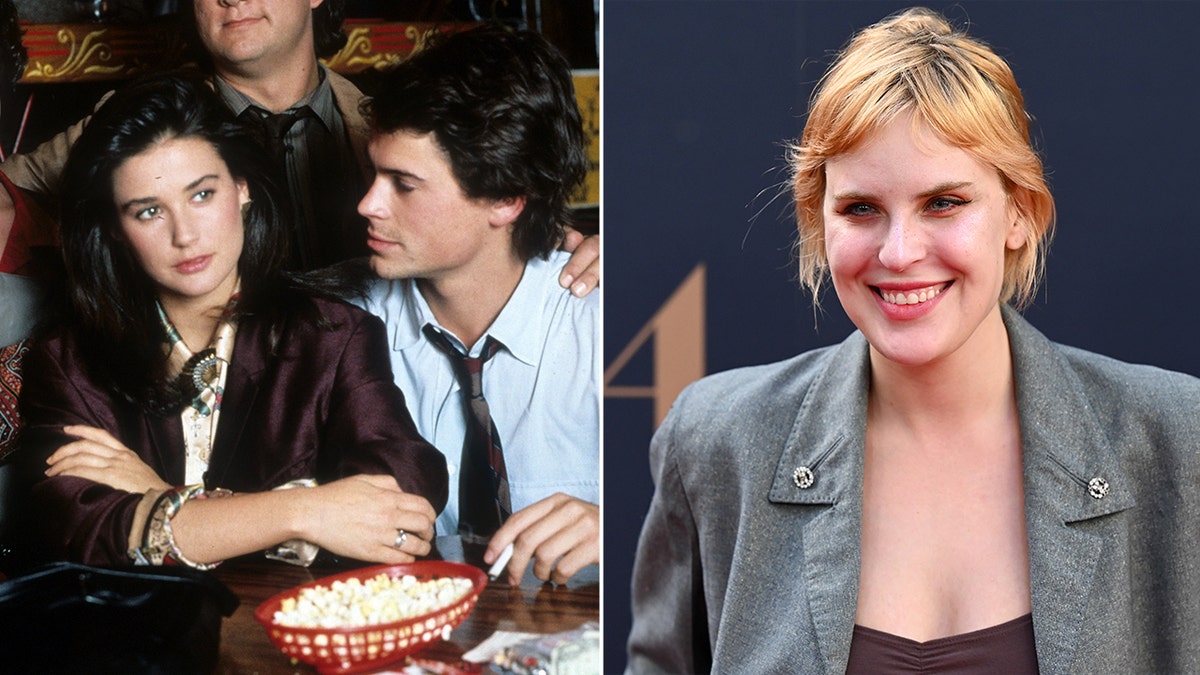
(194, 377)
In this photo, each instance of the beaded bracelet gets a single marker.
(158, 541)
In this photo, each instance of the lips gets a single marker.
(193, 265)
(240, 23)
(908, 302)
(378, 244)
(911, 296)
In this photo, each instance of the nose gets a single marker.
(903, 244)
(184, 233)
(371, 205)
(229, 3)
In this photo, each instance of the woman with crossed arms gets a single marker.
(193, 377)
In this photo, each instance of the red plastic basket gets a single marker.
(353, 650)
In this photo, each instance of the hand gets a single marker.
(361, 517)
(560, 533)
(582, 272)
(100, 457)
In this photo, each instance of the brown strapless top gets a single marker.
(1006, 649)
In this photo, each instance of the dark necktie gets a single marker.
(274, 127)
(271, 129)
(483, 500)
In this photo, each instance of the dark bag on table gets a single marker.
(70, 618)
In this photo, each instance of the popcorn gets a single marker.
(379, 600)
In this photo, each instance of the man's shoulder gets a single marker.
(561, 309)
(546, 272)
(342, 83)
(385, 297)
(347, 97)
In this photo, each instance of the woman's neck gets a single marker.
(971, 385)
(196, 319)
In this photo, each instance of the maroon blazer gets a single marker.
(325, 407)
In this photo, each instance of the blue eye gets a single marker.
(857, 209)
(202, 195)
(947, 203)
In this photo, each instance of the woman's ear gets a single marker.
(1018, 231)
(243, 192)
(243, 195)
(1018, 235)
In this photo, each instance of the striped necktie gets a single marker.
(483, 499)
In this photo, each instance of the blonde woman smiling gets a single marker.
(946, 490)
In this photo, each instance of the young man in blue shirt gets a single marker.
(477, 144)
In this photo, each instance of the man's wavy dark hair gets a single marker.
(501, 105)
(12, 53)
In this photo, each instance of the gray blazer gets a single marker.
(742, 568)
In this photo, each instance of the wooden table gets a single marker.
(532, 607)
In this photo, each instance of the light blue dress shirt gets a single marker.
(543, 388)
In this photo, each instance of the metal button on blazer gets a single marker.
(803, 477)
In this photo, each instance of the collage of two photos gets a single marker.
(307, 363)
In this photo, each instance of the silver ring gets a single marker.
(401, 537)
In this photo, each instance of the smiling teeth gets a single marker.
(912, 297)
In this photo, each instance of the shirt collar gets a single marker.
(520, 327)
(320, 99)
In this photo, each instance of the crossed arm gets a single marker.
(356, 517)
(97, 489)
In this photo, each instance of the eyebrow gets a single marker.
(149, 200)
(194, 184)
(938, 189)
(398, 172)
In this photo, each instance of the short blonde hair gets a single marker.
(916, 61)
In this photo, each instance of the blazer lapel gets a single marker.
(821, 468)
(165, 433)
(241, 389)
(1072, 475)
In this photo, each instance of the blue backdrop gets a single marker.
(700, 96)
